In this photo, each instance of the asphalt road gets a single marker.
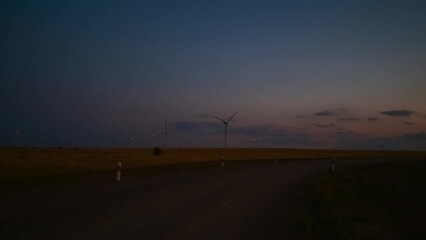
(251, 200)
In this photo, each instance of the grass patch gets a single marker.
(384, 201)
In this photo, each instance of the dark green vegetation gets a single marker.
(382, 201)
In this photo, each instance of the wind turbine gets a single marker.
(154, 136)
(225, 122)
(160, 133)
(254, 139)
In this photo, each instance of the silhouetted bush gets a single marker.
(157, 151)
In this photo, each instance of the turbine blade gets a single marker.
(220, 119)
(229, 119)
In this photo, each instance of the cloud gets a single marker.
(372, 119)
(292, 140)
(335, 112)
(324, 125)
(408, 123)
(347, 119)
(265, 131)
(420, 136)
(258, 131)
(348, 139)
(218, 128)
(348, 134)
(276, 136)
(324, 113)
(267, 135)
(398, 113)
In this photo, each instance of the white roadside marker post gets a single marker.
(222, 163)
(118, 171)
(276, 159)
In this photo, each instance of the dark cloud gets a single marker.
(353, 140)
(348, 139)
(420, 136)
(292, 140)
(398, 113)
(348, 134)
(218, 128)
(335, 112)
(324, 113)
(408, 123)
(278, 136)
(347, 119)
(268, 131)
(324, 125)
(259, 131)
(372, 119)
(268, 135)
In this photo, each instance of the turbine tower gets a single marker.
(225, 122)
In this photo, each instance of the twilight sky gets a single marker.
(311, 74)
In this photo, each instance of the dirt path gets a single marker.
(241, 201)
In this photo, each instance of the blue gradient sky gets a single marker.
(300, 73)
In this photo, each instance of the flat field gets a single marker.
(28, 163)
(72, 194)
(382, 201)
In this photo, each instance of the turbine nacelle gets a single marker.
(226, 121)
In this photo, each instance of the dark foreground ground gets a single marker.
(245, 200)
(385, 201)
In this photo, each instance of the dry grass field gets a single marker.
(382, 201)
(72, 193)
(20, 164)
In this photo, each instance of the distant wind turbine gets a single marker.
(160, 133)
(154, 136)
(225, 122)
(254, 139)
